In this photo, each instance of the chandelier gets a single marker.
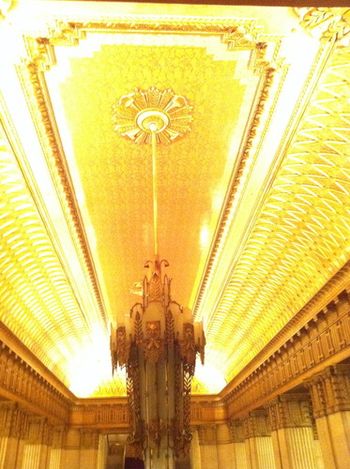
(158, 342)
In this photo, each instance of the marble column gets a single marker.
(195, 452)
(292, 431)
(102, 452)
(317, 447)
(89, 445)
(13, 431)
(71, 449)
(239, 450)
(330, 394)
(224, 446)
(56, 448)
(258, 441)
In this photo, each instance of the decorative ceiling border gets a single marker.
(41, 57)
(327, 46)
(237, 34)
(329, 24)
(40, 107)
(236, 180)
(324, 52)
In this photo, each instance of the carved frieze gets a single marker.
(109, 415)
(18, 380)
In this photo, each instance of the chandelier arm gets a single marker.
(155, 192)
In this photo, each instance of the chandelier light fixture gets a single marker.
(158, 342)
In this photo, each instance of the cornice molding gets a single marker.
(331, 291)
(324, 340)
(21, 383)
(8, 339)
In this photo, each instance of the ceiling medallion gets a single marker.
(136, 115)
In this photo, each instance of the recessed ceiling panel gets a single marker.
(114, 176)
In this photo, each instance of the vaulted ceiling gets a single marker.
(254, 206)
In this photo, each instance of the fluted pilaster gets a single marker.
(224, 446)
(56, 449)
(208, 446)
(13, 431)
(71, 449)
(195, 455)
(89, 444)
(292, 431)
(239, 450)
(258, 441)
(330, 394)
(36, 447)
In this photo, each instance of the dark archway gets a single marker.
(134, 463)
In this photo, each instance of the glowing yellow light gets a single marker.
(211, 378)
(90, 365)
(204, 237)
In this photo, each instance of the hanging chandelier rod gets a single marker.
(153, 129)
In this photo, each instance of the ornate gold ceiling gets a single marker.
(254, 207)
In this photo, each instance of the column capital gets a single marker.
(89, 439)
(256, 424)
(290, 410)
(40, 432)
(13, 420)
(330, 390)
(237, 430)
(58, 436)
(223, 433)
(207, 434)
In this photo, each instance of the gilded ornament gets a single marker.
(139, 113)
(122, 345)
(188, 345)
(5, 6)
(330, 24)
(153, 342)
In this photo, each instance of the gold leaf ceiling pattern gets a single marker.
(37, 301)
(302, 235)
(120, 211)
